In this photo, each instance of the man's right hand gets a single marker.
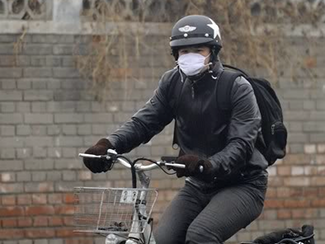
(98, 165)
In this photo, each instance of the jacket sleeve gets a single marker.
(243, 129)
(147, 122)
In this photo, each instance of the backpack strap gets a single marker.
(224, 87)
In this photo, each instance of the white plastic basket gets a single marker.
(113, 210)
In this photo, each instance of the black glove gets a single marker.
(192, 166)
(98, 165)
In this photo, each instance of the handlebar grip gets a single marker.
(168, 159)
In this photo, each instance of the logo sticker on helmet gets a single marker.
(187, 28)
(215, 28)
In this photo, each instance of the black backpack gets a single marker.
(273, 130)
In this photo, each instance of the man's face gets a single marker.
(203, 50)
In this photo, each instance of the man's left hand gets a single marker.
(192, 166)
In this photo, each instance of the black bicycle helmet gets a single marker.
(195, 30)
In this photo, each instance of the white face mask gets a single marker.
(192, 63)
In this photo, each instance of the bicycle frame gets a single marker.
(140, 231)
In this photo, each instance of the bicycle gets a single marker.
(121, 214)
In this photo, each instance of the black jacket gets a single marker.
(229, 145)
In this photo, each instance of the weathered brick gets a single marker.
(66, 106)
(8, 153)
(84, 129)
(41, 241)
(69, 129)
(39, 84)
(38, 130)
(11, 188)
(65, 186)
(310, 148)
(83, 106)
(7, 60)
(99, 118)
(23, 130)
(37, 49)
(23, 107)
(54, 152)
(53, 84)
(39, 152)
(84, 175)
(7, 38)
(62, 72)
(68, 61)
(53, 130)
(22, 60)
(8, 142)
(68, 164)
(52, 61)
(68, 118)
(7, 130)
(67, 141)
(97, 106)
(296, 115)
(8, 95)
(82, 39)
(317, 138)
(100, 129)
(69, 152)
(54, 176)
(7, 48)
(34, 141)
(23, 153)
(296, 148)
(38, 118)
(317, 115)
(72, 84)
(38, 72)
(37, 60)
(40, 95)
(69, 176)
(67, 95)
(321, 148)
(55, 198)
(39, 187)
(298, 137)
(24, 84)
(7, 107)
(39, 164)
(8, 177)
(320, 105)
(317, 126)
(52, 38)
(24, 176)
(296, 181)
(39, 107)
(39, 176)
(63, 49)
(8, 84)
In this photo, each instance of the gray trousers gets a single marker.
(202, 216)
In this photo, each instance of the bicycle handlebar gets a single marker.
(166, 161)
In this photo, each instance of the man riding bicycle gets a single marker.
(228, 194)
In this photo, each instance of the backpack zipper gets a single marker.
(272, 129)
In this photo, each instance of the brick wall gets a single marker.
(48, 115)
